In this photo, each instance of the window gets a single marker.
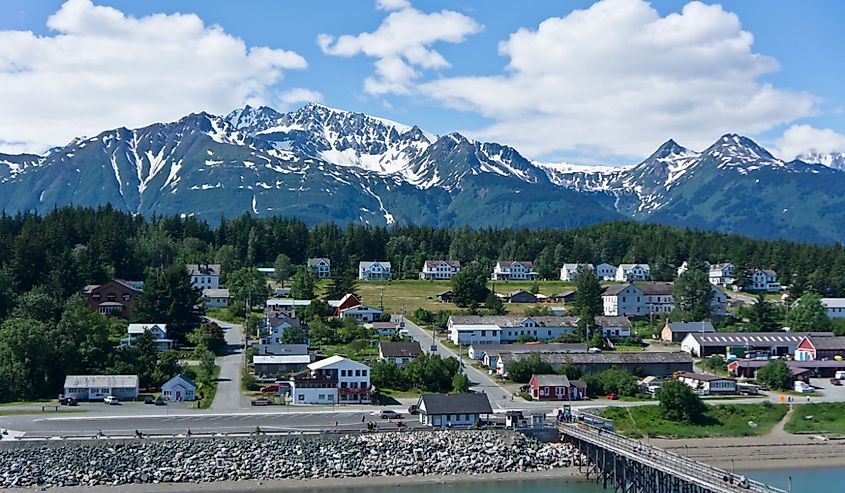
(357, 373)
(321, 397)
(301, 397)
(363, 373)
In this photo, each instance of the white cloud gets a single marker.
(392, 4)
(804, 139)
(300, 95)
(401, 44)
(620, 78)
(102, 69)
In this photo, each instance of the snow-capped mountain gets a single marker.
(835, 160)
(322, 164)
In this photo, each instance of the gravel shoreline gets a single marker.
(435, 454)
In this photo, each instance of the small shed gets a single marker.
(448, 410)
(444, 296)
(179, 388)
(521, 296)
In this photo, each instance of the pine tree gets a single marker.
(693, 293)
(588, 303)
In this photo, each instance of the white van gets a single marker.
(840, 375)
(111, 400)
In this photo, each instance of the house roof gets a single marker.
(277, 319)
(575, 266)
(520, 291)
(281, 359)
(316, 260)
(215, 293)
(287, 302)
(554, 347)
(455, 404)
(181, 378)
(681, 327)
(617, 321)
(611, 358)
(605, 264)
(833, 302)
(512, 321)
(203, 269)
(141, 328)
(834, 343)
(384, 325)
(509, 263)
(400, 349)
(101, 381)
(550, 380)
(614, 289)
(444, 293)
(334, 360)
(131, 285)
(434, 263)
(361, 308)
(703, 377)
(657, 289)
(625, 267)
(754, 339)
(565, 294)
(367, 265)
(270, 349)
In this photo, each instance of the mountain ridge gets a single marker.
(325, 164)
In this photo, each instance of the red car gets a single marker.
(612, 396)
(271, 388)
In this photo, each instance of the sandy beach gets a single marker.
(561, 474)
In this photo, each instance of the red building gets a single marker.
(112, 298)
(556, 388)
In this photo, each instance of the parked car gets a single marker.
(265, 379)
(149, 399)
(413, 410)
(271, 389)
(389, 414)
(111, 400)
(160, 401)
(68, 401)
(612, 396)
(835, 381)
(261, 401)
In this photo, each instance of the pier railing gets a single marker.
(670, 465)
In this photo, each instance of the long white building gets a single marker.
(334, 380)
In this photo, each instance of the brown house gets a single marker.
(112, 298)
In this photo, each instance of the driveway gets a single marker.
(229, 396)
(499, 396)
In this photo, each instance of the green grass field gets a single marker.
(827, 417)
(17, 412)
(724, 420)
(423, 294)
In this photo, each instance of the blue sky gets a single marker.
(607, 84)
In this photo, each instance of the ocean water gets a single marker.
(821, 480)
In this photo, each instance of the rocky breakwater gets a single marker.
(273, 458)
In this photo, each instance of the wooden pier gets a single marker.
(630, 466)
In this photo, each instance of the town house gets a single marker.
(439, 269)
(158, 331)
(374, 271)
(322, 267)
(569, 272)
(765, 280)
(514, 270)
(334, 380)
(204, 276)
(633, 272)
(112, 298)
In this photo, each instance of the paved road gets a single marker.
(229, 396)
(499, 396)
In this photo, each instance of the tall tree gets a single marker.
(247, 282)
(469, 286)
(693, 293)
(283, 268)
(303, 284)
(168, 297)
(26, 359)
(679, 403)
(808, 314)
(588, 303)
(762, 316)
(341, 283)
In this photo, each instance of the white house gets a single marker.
(322, 267)
(334, 380)
(623, 299)
(399, 352)
(97, 387)
(633, 272)
(659, 299)
(439, 269)
(764, 280)
(275, 325)
(508, 328)
(835, 307)
(159, 332)
(704, 384)
(464, 335)
(204, 276)
(448, 410)
(287, 306)
(514, 270)
(606, 272)
(215, 298)
(569, 272)
(361, 313)
(618, 327)
(722, 274)
(374, 271)
(179, 388)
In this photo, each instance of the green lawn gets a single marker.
(44, 402)
(16, 412)
(725, 420)
(210, 391)
(827, 417)
(423, 294)
(348, 350)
